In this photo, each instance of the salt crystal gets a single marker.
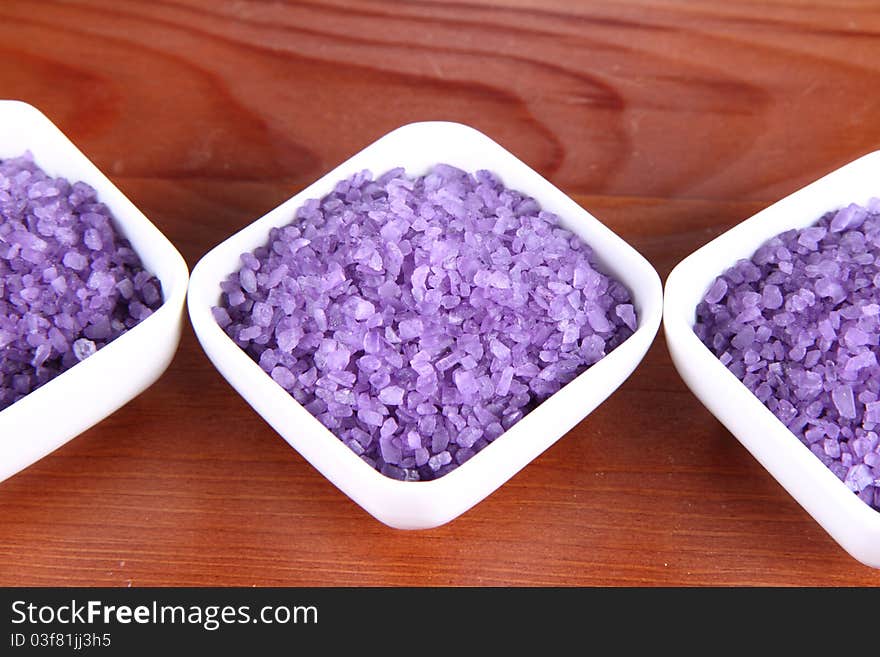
(598, 321)
(83, 348)
(626, 312)
(370, 417)
(465, 382)
(390, 450)
(716, 291)
(248, 280)
(392, 395)
(858, 477)
(283, 377)
(75, 261)
(363, 309)
(439, 460)
(410, 328)
(872, 412)
(469, 436)
(772, 297)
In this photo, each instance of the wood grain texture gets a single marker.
(670, 120)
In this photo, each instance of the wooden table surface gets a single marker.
(670, 120)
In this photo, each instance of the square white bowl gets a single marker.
(93, 389)
(851, 522)
(419, 505)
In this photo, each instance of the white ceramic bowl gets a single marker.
(416, 505)
(851, 522)
(91, 390)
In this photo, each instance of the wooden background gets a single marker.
(669, 120)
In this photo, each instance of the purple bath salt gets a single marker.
(68, 283)
(418, 318)
(799, 325)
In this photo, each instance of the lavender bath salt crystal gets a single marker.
(68, 283)
(418, 318)
(799, 324)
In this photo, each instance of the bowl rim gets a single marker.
(679, 319)
(207, 330)
(174, 279)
